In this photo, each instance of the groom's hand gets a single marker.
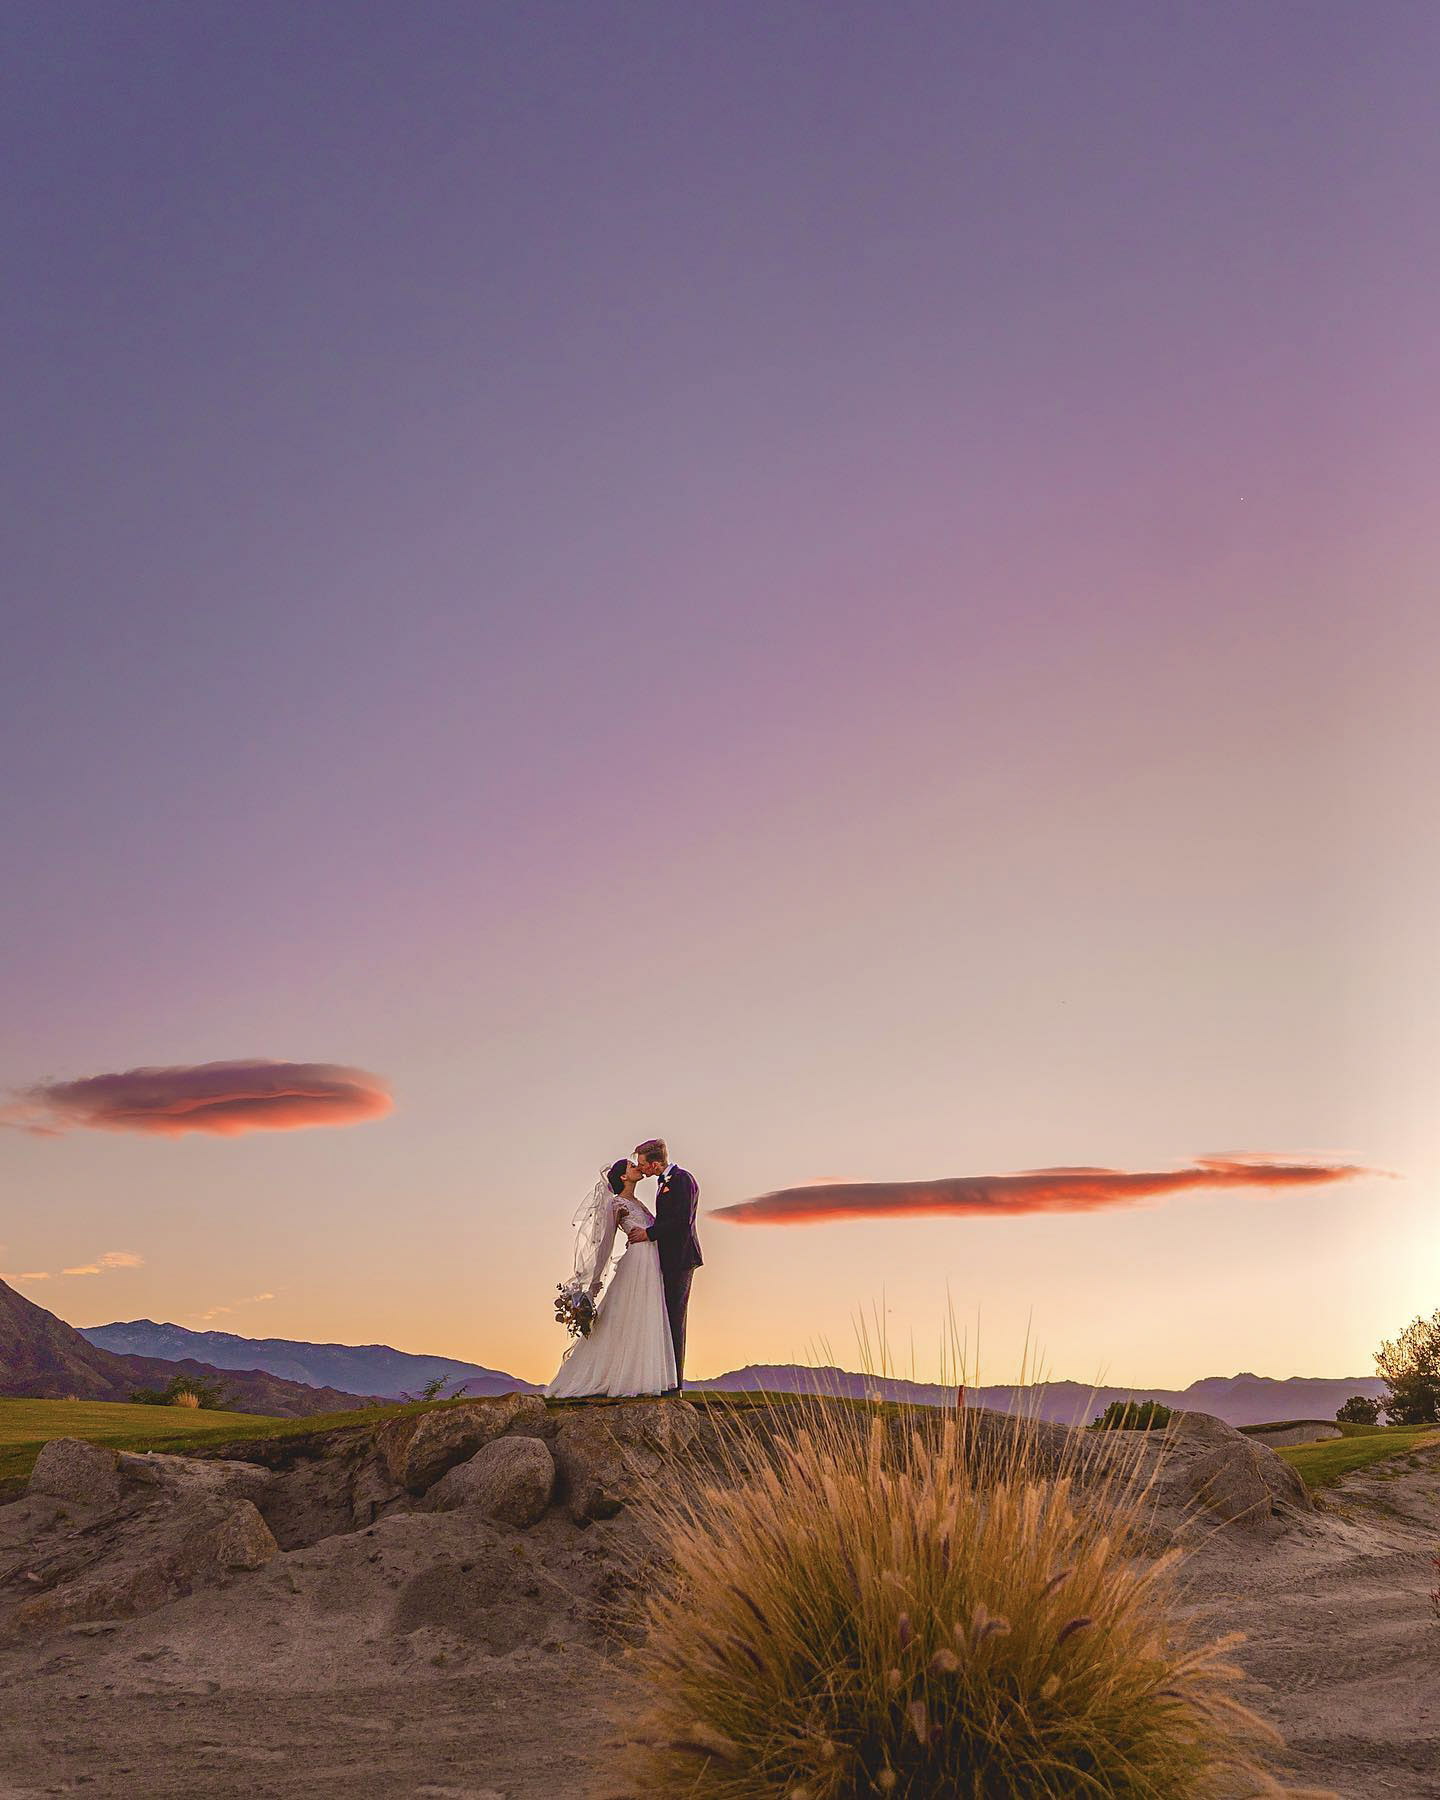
(637, 1235)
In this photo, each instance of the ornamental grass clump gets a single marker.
(875, 1607)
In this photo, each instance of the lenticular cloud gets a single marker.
(225, 1098)
(1031, 1191)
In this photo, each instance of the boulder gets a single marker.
(510, 1480)
(145, 1559)
(70, 1469)
(1192, 1430)
(193, 1478)
(241, 1540)
(609, 1455)
(1247, 1483)
(419, 1447)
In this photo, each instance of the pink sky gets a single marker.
(854, 587)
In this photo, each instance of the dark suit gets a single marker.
(673, 1233)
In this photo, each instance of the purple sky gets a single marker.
(855, 585)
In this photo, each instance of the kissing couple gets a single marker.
(632, 1338)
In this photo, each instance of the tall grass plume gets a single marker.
(872, 1604)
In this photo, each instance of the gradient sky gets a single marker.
(852, 585)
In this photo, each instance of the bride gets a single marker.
(629, 1350)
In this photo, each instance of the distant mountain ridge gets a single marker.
(43, 1358)
(1243, 1399)
(354, 1368)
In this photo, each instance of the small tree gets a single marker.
(1133, 1415)
(1357, 1410)
(1409, 1365)
(435, 1390)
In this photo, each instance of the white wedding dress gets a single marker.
(628, 1350)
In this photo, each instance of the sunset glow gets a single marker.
(850, 585)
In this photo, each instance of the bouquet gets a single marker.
(574, 1309)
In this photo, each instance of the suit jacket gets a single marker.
(676, 1204)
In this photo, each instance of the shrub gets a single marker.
(922, 1612)
(1410, 1368)
(1133, 1415)
(183, 1390)
(1358, 1410)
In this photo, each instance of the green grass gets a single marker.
(1322, 1465)
(27, 1424)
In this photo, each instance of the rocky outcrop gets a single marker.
(1234, 1478)
(608, 1455)
(510, 1480)
(419, 1447)
(84, 1474)
(153, 1529)
(1200, 1473)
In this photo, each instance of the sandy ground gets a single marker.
(1342, 1632)
(207, 1698)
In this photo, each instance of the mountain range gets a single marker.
(41, 1357)
(1243, 1399)
(356, 1368)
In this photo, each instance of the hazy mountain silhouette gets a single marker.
(378, 1369)
(356, 1368)
(1238, 1399)
(43, 1358)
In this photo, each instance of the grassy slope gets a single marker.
(27, 1424)
(1323, 1464)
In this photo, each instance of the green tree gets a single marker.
(1133, 1415)
(1409, 1365)
(1357, 1410)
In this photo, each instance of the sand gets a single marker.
(437, 1655)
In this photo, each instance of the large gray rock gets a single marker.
(194, 1478)
(609, 1456)
(510, 1480)
(1247, 1483)
(1202, 1471)
(84, 1474)
(144, 1559)
(419, 1447)
(239, 1540)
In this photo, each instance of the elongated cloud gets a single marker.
(1031, 1191)
(221, 1097)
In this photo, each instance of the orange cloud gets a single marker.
(1031, 1191)
(221, 1097)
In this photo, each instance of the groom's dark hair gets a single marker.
(653, 1150)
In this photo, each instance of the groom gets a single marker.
(673, 1232)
